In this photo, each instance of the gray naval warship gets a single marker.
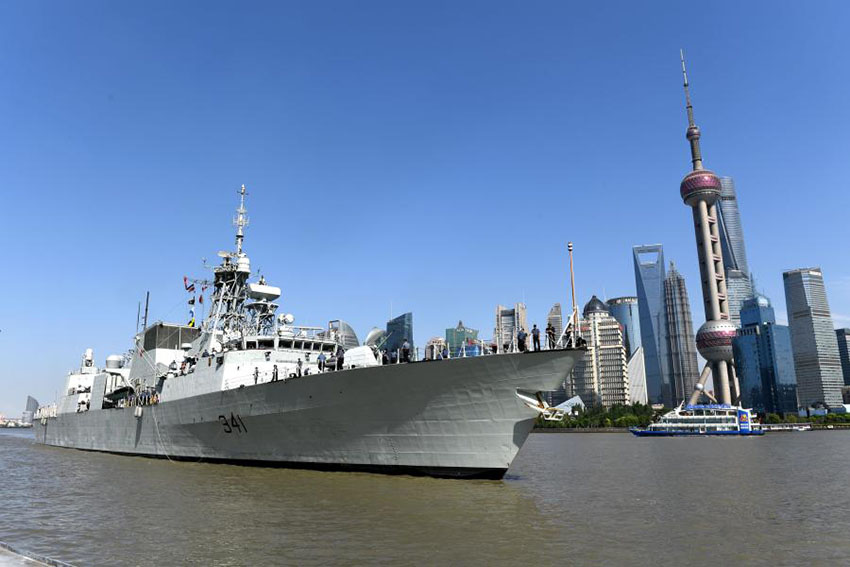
(249, 386)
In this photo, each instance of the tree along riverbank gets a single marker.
(837, 420)
(601, 419)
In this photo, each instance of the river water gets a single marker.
(580, 499)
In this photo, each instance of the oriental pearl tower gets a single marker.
(700, 190)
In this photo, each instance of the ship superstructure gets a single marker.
(249, 385)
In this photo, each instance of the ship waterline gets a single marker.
(458, 417)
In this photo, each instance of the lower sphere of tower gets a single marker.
(714, 340)
(700, 184)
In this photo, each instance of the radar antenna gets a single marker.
(241, 220)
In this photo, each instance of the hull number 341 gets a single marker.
(235, 423)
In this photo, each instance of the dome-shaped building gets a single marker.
(595, 305)
(601, 377)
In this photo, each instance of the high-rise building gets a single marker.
(29, 411)
(843, 336)
(625, 310)
(816, 360)
(460, 336)
(509, 320)
(556, 320)
(764, 360)
(738, 283)
(637, 378)
(399, 329)
(700, 190)
(683, 368)
(345, 334)
(649, 282)
(602, 375)
(434, 348)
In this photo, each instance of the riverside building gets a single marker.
(460, 337)
(738, 283)
(649, 282)
(843, 336)
(601, 377)
(625, 310)
(399, 329)
(637, 378)
(816, 360)
(509, 320)
(683, 368)
(764, 360)
(556, 320)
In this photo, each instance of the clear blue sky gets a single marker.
(432, 155)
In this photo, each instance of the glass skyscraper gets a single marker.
(458, 337)
(843, 336)
(625, 310)
(764, 360)
(738, 283)
(399, 329)
(649, 281)
(816, 360)
(683, 369)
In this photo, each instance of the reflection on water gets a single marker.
(595, 498)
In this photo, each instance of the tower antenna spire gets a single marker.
(688, 106)
(693, 133)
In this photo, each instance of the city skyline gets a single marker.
(333, 131)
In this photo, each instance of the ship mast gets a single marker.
(241, 221)
(227, 317)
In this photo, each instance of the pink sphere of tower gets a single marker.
(714, 340)
(700, 184)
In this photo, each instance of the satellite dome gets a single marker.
(700, 184)
(595, 305)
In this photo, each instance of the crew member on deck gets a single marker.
(405, 351)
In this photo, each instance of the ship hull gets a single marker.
(455, 418)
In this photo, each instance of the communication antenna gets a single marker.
(693, 133)
(241, 220)
(147, 304)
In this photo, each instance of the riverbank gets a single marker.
(580, 430)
